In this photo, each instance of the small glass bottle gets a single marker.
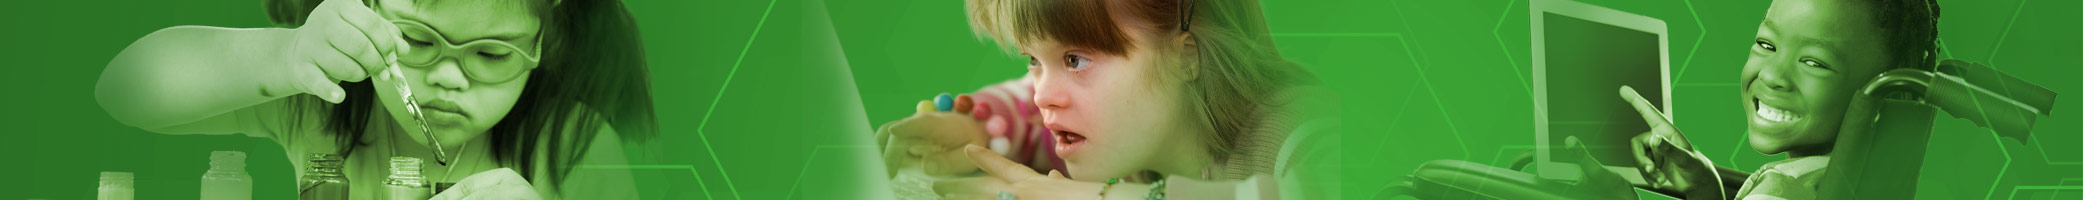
(406, 182)
(324, 180)
(227, 178)
(117, 186)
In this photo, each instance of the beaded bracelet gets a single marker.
(1156, 190)
(1103, 187)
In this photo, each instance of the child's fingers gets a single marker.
(895, 157)
(1642, 153)
(303, 80)
(1649, 113)
(358, 47)
(895, 150)
(948, 130)
(326, 90)
(1702, 170)
(998, 165)
(944, 163)
(1658, 123)
(376, 33)
(340, 66)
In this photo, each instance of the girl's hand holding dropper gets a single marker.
(342, 40)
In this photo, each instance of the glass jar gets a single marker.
(406, 182)
(227, 178)
(324, 179)
(117, 186)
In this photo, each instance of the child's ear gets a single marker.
(1188, 61)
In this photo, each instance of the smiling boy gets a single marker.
(1808, 60)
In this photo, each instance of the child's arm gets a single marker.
(1666, 159)
(185, 79)
(188, 79)
(1009, 114)
(1000, 116)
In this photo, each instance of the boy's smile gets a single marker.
(1808, 58)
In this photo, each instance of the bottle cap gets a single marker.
(125, 176)
(228, 159)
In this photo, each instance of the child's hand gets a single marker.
(932, 140)
(1011, 178)
(502, 183)
(1666, 158)
(341, 40)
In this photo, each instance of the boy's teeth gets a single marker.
(1775, 114)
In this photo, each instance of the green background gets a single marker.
(767, 100)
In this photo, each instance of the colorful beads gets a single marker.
(944, 102)
(963, 104)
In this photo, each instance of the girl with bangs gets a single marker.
(1138, 99)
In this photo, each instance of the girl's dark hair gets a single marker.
(592, 74)
(1910, 29)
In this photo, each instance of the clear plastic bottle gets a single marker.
(406, 182)
(324, 180)
(227, 178)
(117, 186)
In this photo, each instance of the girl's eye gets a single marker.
(1077, 62)
(1811, 62)
(414, 41)
(1033, 62)
(493, 55)
(1767, 45)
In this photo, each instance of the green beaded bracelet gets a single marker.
(1156, 190)
(1103, 187)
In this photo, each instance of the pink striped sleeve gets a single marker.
(1010, 114)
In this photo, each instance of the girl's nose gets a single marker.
(1051, 92)
(448, 74)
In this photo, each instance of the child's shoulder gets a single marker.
(1802, 167)
(1793, 178)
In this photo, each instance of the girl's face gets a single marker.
(1809, 58)
(457, 107)
(1110, 113)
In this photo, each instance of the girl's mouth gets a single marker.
(443, 112)
(1067, 142)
